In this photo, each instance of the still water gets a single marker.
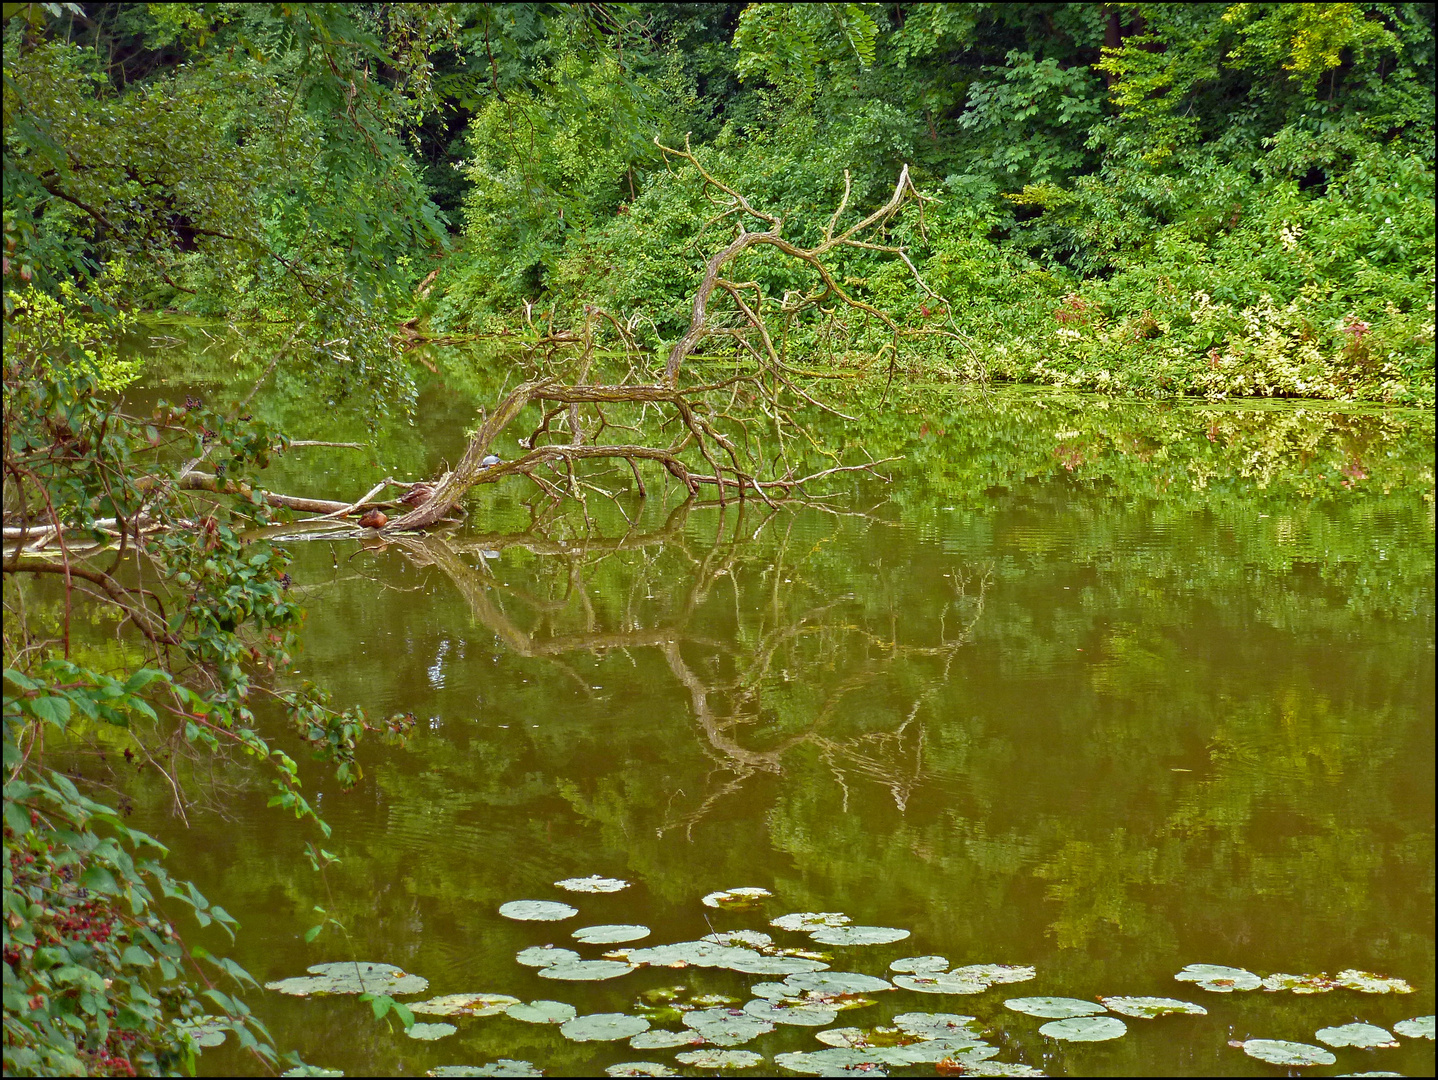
(1105, 689)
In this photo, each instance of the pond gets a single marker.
(1102, 689)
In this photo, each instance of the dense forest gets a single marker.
(1159, 200)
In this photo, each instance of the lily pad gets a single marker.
(1054, 1008)
(1000, 1068)
(639, 1068)
(660, 1039)
(542, 1012)
(993, 974)
(757, 964)
(832, 1062)
(937, 1025)
(603, 1027)
(1420, 1027)
(920, 964)
(537, 910)
(940, 983)
(932, 1051)
(810, 920)
(845, 1038)
(1282, 1052)
(1365, 982)
(610, 934)
(592, 884)
(502, 1067)
(207, 1031)
(797, 1013)
(350, 977)
(1219, 979)
(1298, 984)
(1085, 1029)
(465, 1005)
(586, 970)
(541, 956)
(1363, 1036)
(720, 1059)
(736, 899)
(1146, 1008)
(430, 1032)
(312, 1070)
(727, 1027)
(835, 983)
(859, 935)
(744, 939)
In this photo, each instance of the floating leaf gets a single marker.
(546, 956)
(736, 899)
(312, 1070)
(593, 884)
(932, 1051)
(937, 1025)
(833, 1062)
(465, 1005)
(993, 974)
(810, 920)
(1363, 1036)
(610, 934)
(586, 970)
(1420, 1027)
(846, 1038)
(920, 964)
(727, 1027)
(940, 983)
(350, 977)
(720, 1059)
(1146, 1008)
(1299, 984)
(1219, 979)
(797, 1013)
(603, 1027)
(859, 935)
(660, 1039)
(542, 1012)
(207, 1031)
(639, 1068)
(1365, 982)
(430, 1032)
(752, 939)
(1085, 1029)
(1282, 1052)
(756, 964)
(834, 983)
(502, 1067)
(1054, 1008)
(537, 910)
(998, 1068)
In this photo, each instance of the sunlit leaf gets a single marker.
(537, 910)
(1282, 1052)
(430, 1032)
(603, 1027)
(1420, 1027)
(349, 977)
(586, 970)
(920, 964)
(1298, 984)
(465, 1005)
(1219, 979)
(797, 1013)
(810, 920)
(720, 1059)
(1085, 1029)
(736, 899)
(727, 1027)
(639, 1068)
(541, 1012)
(859, 935)
(1363, 1036)
(593, 884)
(1055, 1008)
(1146, 1008)
(610, 934)
(546, 956)
(1365, 982)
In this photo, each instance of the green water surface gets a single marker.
(1104, 688)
